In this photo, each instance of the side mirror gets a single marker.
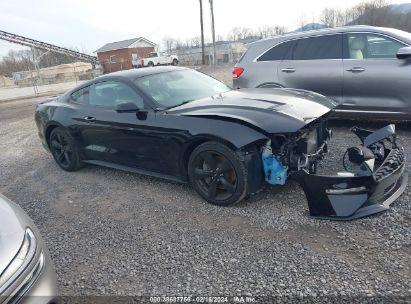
(404, 52)
(127, 107)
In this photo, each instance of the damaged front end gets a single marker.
(377, 177)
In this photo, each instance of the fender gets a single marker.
(237, 134)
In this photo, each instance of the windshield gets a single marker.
(174, 88)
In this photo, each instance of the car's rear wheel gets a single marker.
(64, 150)
(217, 174)
(175, 62)
(150, 64)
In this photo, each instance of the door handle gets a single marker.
(89, 118)
(288, 70)
(356, 70)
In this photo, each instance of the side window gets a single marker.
(113, 59)
(320, 47)
(111, 93)
(278, 52)
(371, 46)
(81, 96)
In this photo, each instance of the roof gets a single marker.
(334, 30)
(136, 73)
(131, 74)
(121, 44)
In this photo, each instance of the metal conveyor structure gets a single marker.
(46, 46)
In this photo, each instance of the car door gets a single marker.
(315, 64)
(375, 81)
(100, 125)
(122, 138)
(265, 74)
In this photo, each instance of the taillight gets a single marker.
(237, 71)
(142, 62)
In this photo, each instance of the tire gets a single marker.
(217, 174)
(64, 150)
(175, 62)
(150, 64)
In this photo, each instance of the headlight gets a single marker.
(19, 263)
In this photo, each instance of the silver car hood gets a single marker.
(13, 224)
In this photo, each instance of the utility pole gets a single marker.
(202, 33)
(212, 29)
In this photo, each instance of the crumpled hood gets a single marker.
(271, 110)
(13, 224)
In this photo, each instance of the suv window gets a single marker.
(81, 96)
(279, 52)
(319, 47)
(111, 93)
(371, 46)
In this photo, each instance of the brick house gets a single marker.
(123, 55)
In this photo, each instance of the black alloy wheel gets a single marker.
(64, 150)
(217, 174)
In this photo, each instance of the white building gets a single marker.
(226, 52)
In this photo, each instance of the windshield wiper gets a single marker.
(184, 102)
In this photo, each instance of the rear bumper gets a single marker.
(352, 195)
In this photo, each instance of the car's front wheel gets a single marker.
(64, 150)
(217, 174)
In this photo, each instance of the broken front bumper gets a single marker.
(368, 190)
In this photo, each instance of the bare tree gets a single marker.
(238, 33)
(169, 44)
(16, 61)
(234, 34)
(266, 31)
(196, 41)
(302, 21)
(219, 38)
(328, 17)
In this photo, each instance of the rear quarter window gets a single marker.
(81, 96)
(242, 56)
(278, 52)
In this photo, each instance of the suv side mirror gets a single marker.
(127, 107)
(404, 52)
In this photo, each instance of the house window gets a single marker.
(113, 59)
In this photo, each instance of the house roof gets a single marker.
(121, 44)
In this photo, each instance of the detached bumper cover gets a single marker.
(369, 190)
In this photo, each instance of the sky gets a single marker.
(89, 24)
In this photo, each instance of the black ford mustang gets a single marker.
(180, 124)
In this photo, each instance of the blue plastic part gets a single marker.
(275, 173)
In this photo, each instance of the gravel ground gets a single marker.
(116, 233)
